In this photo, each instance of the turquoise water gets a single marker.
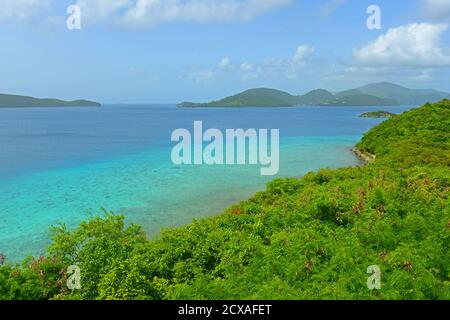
(73, 168)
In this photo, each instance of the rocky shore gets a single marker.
(364, 157)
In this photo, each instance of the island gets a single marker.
(372, 95)
(17, 101)
(378, 114)
(261, 97)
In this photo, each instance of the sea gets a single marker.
(67, 165)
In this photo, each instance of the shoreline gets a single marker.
(366, 158)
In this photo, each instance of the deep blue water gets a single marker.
(61, 165)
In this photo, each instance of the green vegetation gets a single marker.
(251, 98)
(356, 97)
(378, 94)
(378, 114)
(14, 101)
(315, 97)
(404, 96)
(361, 100)
(308, 238)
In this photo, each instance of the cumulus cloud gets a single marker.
(413, 45)
(301, 54)
(225, 63)
(98, 10)
(287, 67)
(437, 9)
(21, 9)
(249, 71)
(246, 70)
(269, 67)
(246, 67)
(142, 13)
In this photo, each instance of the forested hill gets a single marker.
(308, 238)
(375, 94)
(15, 101)
(264, 97)
(418, 137)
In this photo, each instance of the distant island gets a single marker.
(378, 114)
(16, 101)
(376, 94)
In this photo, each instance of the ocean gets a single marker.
(65, 165)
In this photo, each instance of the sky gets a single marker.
(169, 51)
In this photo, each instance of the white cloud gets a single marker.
(21, 9)
(437, 9)
(413, 45)
(249, 72)
(142, 13)
(246, 67)
(225, 63)
(268, 68)
(300, 55)
(98, 10)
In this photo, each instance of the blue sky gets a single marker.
(166, 51)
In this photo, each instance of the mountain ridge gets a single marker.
(19, 101)
(402, 94)
(375, 94)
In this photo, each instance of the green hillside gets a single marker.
(315, 97)
(423, 132)
(276, 98)
(261, 97)
(377, 94)
(348, 93)
(361, 100)
(308, 238)
(403, 95)
(15, 101)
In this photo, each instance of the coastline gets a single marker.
(58, 107)
(366, 158)
(134, 200)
